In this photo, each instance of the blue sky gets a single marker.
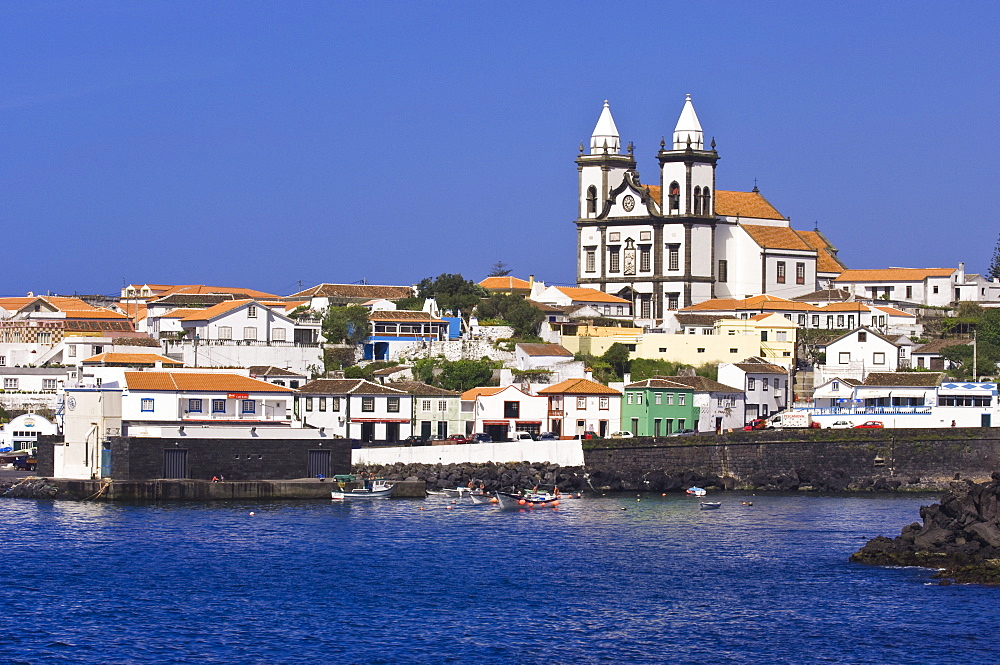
(261, 144)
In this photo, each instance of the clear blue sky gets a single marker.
(259, 144)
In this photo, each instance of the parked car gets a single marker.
(481, 437)
(415, 440)
(26, 463)
(621, 435)
(871, 424)
(589, 434)
(547, 436)
(683, 432)
(841, 424)
(459, 438)
(756, 423)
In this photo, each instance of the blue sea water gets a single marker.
(598, 580)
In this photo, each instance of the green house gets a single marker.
(657, 407)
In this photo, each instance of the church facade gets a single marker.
(679, 240)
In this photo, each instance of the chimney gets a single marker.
(335, 374)
(531, 282)
(960, 279)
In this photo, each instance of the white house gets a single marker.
(834, 393)
(355, 409)
(580, 405)
(721, 407)
(502, 411)
(601, 302)
(765, 384)
(861, 351)
(924, 286)
(22, 432)
(437, 413)
(32, 388)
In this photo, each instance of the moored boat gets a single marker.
(377, 490)
(509, 500)
(696, 491)
(711, 505)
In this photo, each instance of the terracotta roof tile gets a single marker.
(545, 350)
(700, 384)
(149, 359)
(826, 257)
(578, 387)
(744, 204)
(845, 307)
(916, 379)
(403, 315)
(506, 283)
(775, 237)
(892, 311)
(826, 295)
(199, 382)
(216, 310)
(935, 345)
(590, 295)
(893, 274)
(356, 292)
(483, 391)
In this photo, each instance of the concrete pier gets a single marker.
(204, 490)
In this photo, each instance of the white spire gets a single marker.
(688, 128)
(605, 134)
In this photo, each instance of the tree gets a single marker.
(499, 269)
(994, 270)
(452, 291)
(462, 375)
(514, 310)
(617, 357)
(346, 325)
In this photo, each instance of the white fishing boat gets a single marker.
(711, 505)
(696, 491)
(377, 490)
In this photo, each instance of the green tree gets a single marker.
(346, 325)
(647, 368)
(461, 375)
(617, 358)
(452, 291)
(994, 270)
(499, 269)
(514, 310)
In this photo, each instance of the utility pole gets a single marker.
(975, 368)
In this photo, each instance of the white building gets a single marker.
(923, 286)
(502, 411)
(580, 405)
(681, 241)
(22, 432)
(765, 384)
(355, 409)
(862, 351)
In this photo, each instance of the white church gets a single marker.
(681, 241)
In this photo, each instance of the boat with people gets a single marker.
(711, 505)
(512, 500)
(375, 489)
(696, 491)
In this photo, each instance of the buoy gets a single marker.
(521, 502)
(555, 503)
(493, 500)
(448, 507)
(251, 513)
(638, 499)
(422, 508)
(664, 494)
(624, 508)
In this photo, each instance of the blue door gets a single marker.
(986, 420)
(106, 462)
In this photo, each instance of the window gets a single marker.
(862, 337)
(646, 306)
(442, 405)
(815, 321)
(511, 409)
(670, 399)
(194, 406)
(659, 398)
(591, 200)
(673, 257)
(309, 403)
(335, 404)
(697, 200)
(368, 404)
(638, 398)
(147, 404)
(935, 289)
(604, 403)
(751, 383)
(780, 336)
(723, 270)
(218, 406)
(776, 384)
(800, 273)
(249, 406)
(701, 350)
(681, 398)
(781, 272)
(644, 262)
(850, 321)
(675, 196)
(52, 384)
(614, 260)
(392, 405)
(225, 332)
(844, 357)
(734, 350)
(591, 261)
(763, 385)
(909, 292)
(614, 236)
(620, 310)
(251, 311)
(840, 320)
(802, 320)
(322, 404)
(10, 384)
(425, 405)
(249, 333)
(278, 334)
(763, 335)
(44, 337)
(706, 206)
(628, 398)
(829, 321)
(581, 402)
(878, 358)
(672, 300)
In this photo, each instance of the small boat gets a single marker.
(379, 489)
(457, 492)
(696, 491)
(508, 500)
(482, 498)
(711, 505)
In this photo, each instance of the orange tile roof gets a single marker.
(590, 295)
(199, 382)
(756, 302)
(892, 311)
(578, 387)
(845, 307)
(744, 204)
(133, 359)
(181, 312)
(656, 193)
(199, 289)
(506, 283)
(93, 314)
(530, 349)
(402, 315)
(14, 304)
(484, 391)
(134, 310)
(826, 259)
(215, 310)
(775, 237)
(893, 274)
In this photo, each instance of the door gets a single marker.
(106, 460)
(367, 432)
(603, 429)
(392, 431)
(175, 463)
(442, 429)
(986, 420)
(718, 424)
(656, 426)
(319, 463)
(425, 430)
(635, 426)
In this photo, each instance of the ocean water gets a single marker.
(598, 580)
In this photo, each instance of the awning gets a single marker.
(871, 393)
(380, 420)
(495, 422)
(527, 422)
(909, 393)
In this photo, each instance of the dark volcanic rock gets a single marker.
(960, 535)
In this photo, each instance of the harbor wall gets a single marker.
(563, 453)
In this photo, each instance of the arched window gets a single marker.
(592, 200)
(675, 196)
(697, 201)
(706, 195)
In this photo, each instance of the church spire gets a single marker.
(605, 139)
(688, 129)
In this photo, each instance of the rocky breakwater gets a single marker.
(515, 475)
(28, 488)
(960, 536)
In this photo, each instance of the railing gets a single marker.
(241, 342)
(864, 410)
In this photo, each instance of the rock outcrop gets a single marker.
(960, 536)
